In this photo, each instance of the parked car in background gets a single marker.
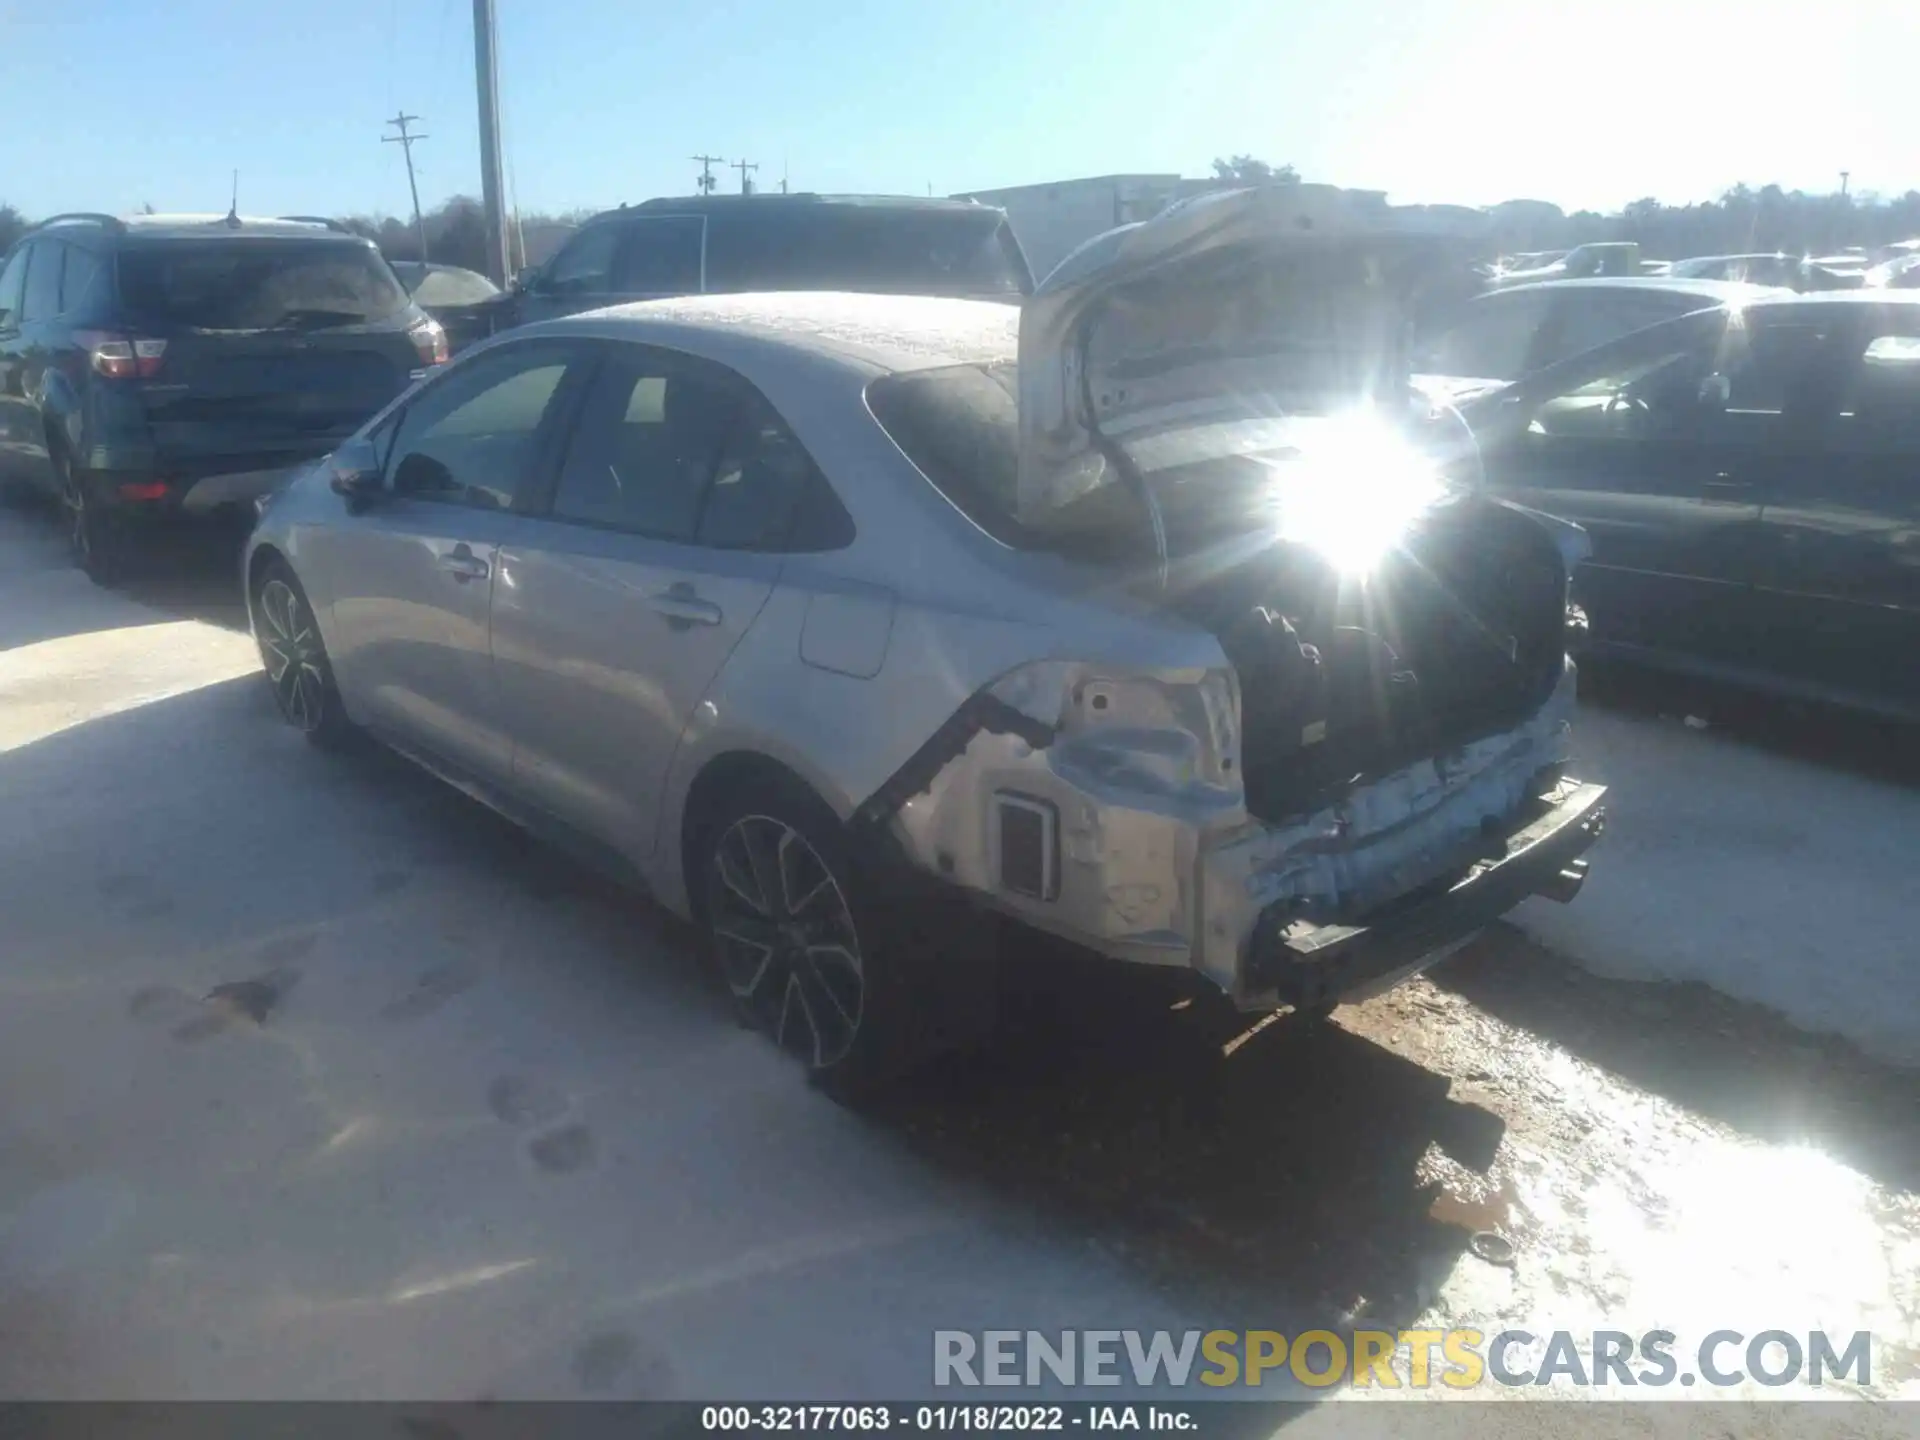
(1503, 335)
(1846, 271)
(464, 302)
(1900, 273)
(1776, 269)
(1609, 258)
(726, 244)
(829, 619)
(1747, 477)
(169, 365)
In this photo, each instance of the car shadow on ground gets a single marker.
(1734, 1062)
(193, 576)
(1296, 1171)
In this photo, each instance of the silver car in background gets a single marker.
(837, 621)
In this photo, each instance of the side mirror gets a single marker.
(523, 278)
(353, 473)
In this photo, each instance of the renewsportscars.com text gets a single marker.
(1392, 1360)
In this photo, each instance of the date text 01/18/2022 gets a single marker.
(944, 1419)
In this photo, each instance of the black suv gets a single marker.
(723, 244)
(161, 366)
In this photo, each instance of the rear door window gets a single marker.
(648, 441)
(80, 278)
(475, 437)
(257, 284)
(43, 281)
(659, 256)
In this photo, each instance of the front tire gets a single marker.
(295, 659)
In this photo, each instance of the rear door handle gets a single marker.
(461, 563)
(679, 603)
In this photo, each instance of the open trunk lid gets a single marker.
(1214, 330)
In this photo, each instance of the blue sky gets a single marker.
(1463, 100)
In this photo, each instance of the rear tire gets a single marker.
(96, 542)
(295, 659)
(798, 933)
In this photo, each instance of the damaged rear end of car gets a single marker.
(1366, 761)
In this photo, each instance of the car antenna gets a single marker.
(233, 210)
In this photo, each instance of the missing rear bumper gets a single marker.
(1294, 962)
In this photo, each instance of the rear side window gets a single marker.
(80, 280)
(764, 475)
(257, 284)
(871, 249)
(960, 425)
(43, 281)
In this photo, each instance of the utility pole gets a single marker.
(1843, 183)
(706, 164)
(486, 68)
(745, 167)
(405, 141)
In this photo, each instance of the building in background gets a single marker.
(1051, 220)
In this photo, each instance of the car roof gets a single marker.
(875, 334)
(1711, 291)
(722, 204)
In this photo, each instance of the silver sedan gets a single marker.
(838, 622)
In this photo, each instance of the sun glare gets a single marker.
(1351, 490)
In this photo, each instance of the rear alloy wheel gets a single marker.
(92, 538)
(787, 943)
(296, 659)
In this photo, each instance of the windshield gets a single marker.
(451, 286)
(875, 249)
(257, 284)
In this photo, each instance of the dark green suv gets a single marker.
(160, 367)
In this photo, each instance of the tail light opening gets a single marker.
(122, 357)
(430, 340)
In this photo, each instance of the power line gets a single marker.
(706, 182)
(405, 141)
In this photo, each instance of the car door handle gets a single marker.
(680, 603)
(461, 563)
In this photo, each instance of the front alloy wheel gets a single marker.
(290, 649)
(296, 659)
(786, 939)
